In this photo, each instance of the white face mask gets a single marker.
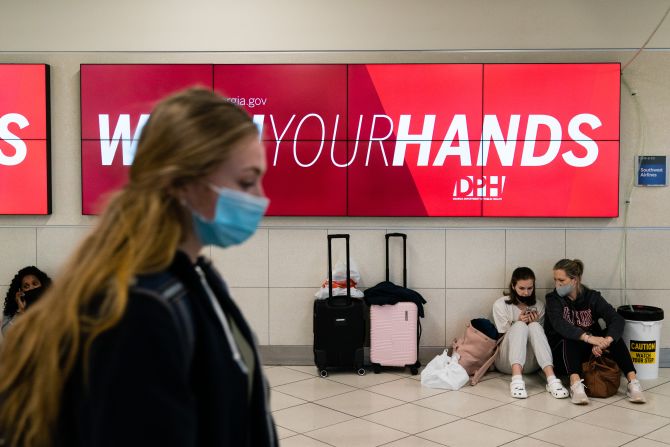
(565, 289)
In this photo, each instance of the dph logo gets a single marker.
(486, 187)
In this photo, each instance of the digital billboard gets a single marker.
(490, 140)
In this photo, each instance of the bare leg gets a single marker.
(548, 370)
(574, 378)
(517, 387)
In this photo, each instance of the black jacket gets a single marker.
(388, 293)
(570, 319)
(155, 381)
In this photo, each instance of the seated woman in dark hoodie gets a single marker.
(572, 328)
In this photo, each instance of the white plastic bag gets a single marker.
(444, 372)
(340, 281)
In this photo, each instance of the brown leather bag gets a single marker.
(602, 376)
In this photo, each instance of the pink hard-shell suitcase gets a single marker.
(395, 329)
(393, 334)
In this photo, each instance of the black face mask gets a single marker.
(32, 295)
(522, 299)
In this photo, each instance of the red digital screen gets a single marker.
(25, 175)
(524, 140)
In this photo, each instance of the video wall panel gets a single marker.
(25, 168)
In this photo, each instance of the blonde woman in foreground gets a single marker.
(138, 342)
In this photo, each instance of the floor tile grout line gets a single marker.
(508, 430)
(610, 429)
(325, 426)
(355, 418)
(535, 439)
(307, 436)
(531, 409)
(659, 428)
(368, 414)
(638, 410)
(412, 403)
(641, 437)
(566, 417)
(474, 414)
(402, 402)
(396, 440)
(641, 410)
(414, 434)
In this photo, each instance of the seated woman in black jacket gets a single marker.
(572, 328)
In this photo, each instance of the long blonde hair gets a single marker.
(188, 135)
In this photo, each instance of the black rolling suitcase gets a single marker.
(339, 325)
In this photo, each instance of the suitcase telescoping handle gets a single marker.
(404, 256)
(347, 300)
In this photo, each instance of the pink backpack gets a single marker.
(477, 352)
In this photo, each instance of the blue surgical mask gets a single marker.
(565, 289)
(235, 220)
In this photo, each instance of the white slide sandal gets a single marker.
(517, 389)
(556, 388)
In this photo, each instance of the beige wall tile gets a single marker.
(433, 324)
(18, 250)
(254, 305)
(475, 258)
(292, 311)
(602, 253)
(244, 265)
(366, 252)
(541, 294)
(425, 258)
(537, 249)
(612, 296)
(55, 245)
(298, 258)
(465, 304)
(647, 259)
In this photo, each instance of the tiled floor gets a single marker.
(393, 409)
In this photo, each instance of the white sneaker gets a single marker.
(634, 392)
(578, 394)
(556, 388)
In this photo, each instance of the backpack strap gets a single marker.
(487, 364)
(169, 291)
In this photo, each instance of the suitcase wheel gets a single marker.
(414, 370)
(323, 373)
(376, 368)
(361, 371)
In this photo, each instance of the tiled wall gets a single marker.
(459, 271)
